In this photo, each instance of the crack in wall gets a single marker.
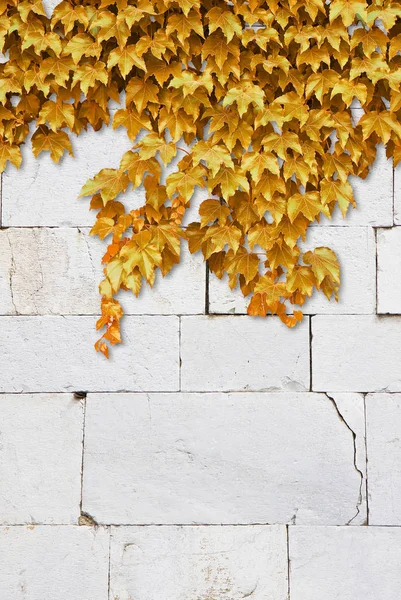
(11, 274)
(88, 249)
(357, 469)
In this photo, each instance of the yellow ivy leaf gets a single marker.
(51, 141)
(324, 263)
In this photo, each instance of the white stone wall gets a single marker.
(215, 456)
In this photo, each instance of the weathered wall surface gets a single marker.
(215, 456)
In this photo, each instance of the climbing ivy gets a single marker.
(248, 99)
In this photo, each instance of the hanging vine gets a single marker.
(247, 98)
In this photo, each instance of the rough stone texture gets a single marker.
(48, 563)
(47, 193)
(238, 353)
(389, 270)
(345, 563)
(373, 196)
(47, 354)
(356, 251)
(356, 353)
(186, 563)
(40, 458)
(274, 452)
(222, 458)
(58, 270)
(383, 429)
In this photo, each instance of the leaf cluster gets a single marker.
(247, 99)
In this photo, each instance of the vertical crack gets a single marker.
(357, 469)
(11, 274)
(86, 242)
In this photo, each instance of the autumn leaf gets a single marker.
(381, 124)
(185, 182)
(109, 182)
(229, 180)
(324, 263)
(214, 155)
(57, 115)
(125, 58)
(103, 227)
(245, 94)
(56, 143)
(11, 153)
(212, 210)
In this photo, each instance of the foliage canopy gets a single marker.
(249, 99)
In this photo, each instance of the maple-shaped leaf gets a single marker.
(126, 58)
(167, 236)
(273, 290)
(245, 212)
(103, 227)
(81, 45)
(291, 230)
(229, 180)
(55, 142)
(243, 262)
(280, 144)
(214, 155)
(109, 182)
(67, 14)
(258, 162)
(138, 167)
(59, 67)
(382, 123)
(348, 11)
(245, 94)
(141, 92)
(153, 144)
(87, 75)
(216, 45)
(324, 263)
(308, 204)
(185, 182)
(281, 254)
(189, 83)
(335, 190)
(132, 121)
(261, 235)
(183, 25)
(224, 235)
(321, 83)
(141, 252)
(212, 210)
(158, 44)
(350, 90)
(57, 115)
(225, 20)
(9, 152)
(302, 279)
